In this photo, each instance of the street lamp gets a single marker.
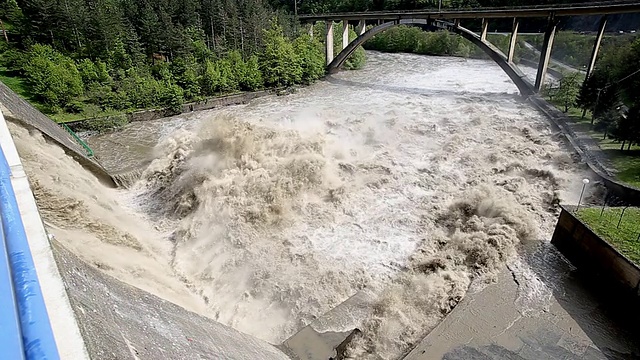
(584, 185)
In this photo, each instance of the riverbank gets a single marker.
(113, 122)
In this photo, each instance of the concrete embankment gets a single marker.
(552, 311)
(585, 249)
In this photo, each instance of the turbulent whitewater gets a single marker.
(412, 178)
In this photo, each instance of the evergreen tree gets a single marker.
(279, 63)
(311, 56)
(253, 76)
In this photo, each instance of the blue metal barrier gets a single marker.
(10, 334)
(37, 337)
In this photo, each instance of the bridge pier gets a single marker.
(362, 27)
(545, 53)
(485, 27)
(329, 41)
(345, 33)
(514, 39)
(596, 46)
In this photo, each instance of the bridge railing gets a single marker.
(25, 330)
(75, 136)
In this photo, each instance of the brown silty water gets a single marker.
(414, 178)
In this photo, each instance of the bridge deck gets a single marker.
(599, 8)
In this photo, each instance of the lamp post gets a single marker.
(584, 185)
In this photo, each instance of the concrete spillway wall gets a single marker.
(119, 321)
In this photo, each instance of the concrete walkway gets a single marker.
(540, 308)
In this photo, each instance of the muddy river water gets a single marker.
(414, 178)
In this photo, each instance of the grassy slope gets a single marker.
(626, 162)
(623, 238)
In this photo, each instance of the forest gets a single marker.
(85, 58)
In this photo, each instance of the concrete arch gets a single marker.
(496, 55)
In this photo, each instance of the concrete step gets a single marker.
(328, 336)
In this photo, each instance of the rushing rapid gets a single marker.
(411, 178)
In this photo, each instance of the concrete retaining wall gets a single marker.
(154, 114)
(587, 250)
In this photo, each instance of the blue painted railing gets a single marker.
(25, 331)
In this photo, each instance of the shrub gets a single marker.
(311, 55)
(279, 64)
(53, 77)
(253, 77)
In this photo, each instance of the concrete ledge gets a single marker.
(588, 251)
(63, 323)
(328, 336)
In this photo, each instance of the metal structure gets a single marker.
(450, 20)
(25, 330)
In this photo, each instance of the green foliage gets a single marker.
(238, 68)
(13, 60)
(412, 39)
(211, 79)
(139, 54)
(607, 122)
(252, 80)
(228, 80)
(172, 96)
(567, 90)
(183, 72)
(311, 53)
(53, 77)
(279, 64)
(93, 73)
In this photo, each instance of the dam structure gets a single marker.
(402, 211)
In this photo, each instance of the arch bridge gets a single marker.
(450, 20)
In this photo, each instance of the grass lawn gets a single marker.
(623, 238)
(19, 85)
(66, 117)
